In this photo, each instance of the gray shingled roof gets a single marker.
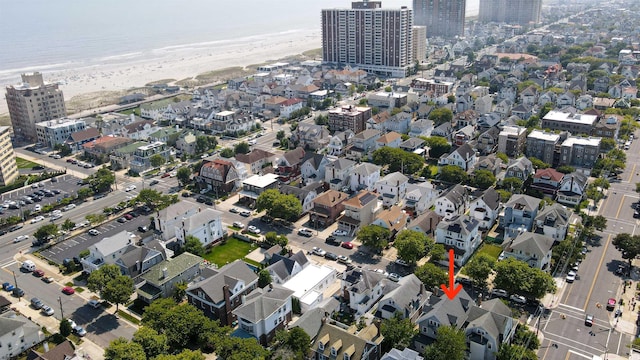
(229, 274)
(448, 312)
(491, 198)
(459, 224)
(528, 202)
(531, 243)
(261, 303)
(557, 213)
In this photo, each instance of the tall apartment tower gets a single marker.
(8, 167)
(419, 43)
(520, 12)
(443, 18)
(368, 37)
(33, 101)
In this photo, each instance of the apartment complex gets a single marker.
(579, 152)
(542, 145)
(566, 121)
(520, 12)
(371, 38)
(443, 18)
(419, 39)
(349, 118)
(511, 140)
(31, 102)
(8, 167)
(52, 132)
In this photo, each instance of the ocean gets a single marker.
(44, 35)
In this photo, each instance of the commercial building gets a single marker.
(8, 167)
(58, 131)
(31, 102)
(349, 118)
(520, 12)
(371, 38)
(443, 18)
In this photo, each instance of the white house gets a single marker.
(337, 173)
(392, 187)
(363, 288)
(107, 251)
(485, 208)
(452, 202)
(313, 169)
(339, 141)
(553, 221)
(205, 225)
(289, 106)
(460, 233)
(421, 127)
(18, 334)
(420, 197)
(532, 248)
(572, 189)
(265, 311)
(364, 177)
(463, 157)
(309, 285)
(167, 218)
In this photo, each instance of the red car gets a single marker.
(347, 245)
(128, 216)
(38, 273)
(165, 175)
(611, 304)
(68, 290)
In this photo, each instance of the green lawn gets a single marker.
(489, 249)
(24, 163)
(135, 111)
(232, 250)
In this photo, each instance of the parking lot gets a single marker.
(67, 185)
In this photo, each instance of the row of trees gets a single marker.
(398, 160)
(278, 205)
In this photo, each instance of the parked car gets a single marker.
(499, 293)
(343, 259)
(518, 299)
(142, 229)
(38, 273)
(254, 230)
(394, 277)
(316, 250)
(571, 276)
(80, 331)
(332, 240)
(21, 238)
(69, 207)
(234, 210)
(68, 290)
(94, 303)
(245, 213)
(47, 310)
(305, 232)
(401, 262)
(238, 224)
(331, 256)
(36, 303)
(339, 233)
(8, 286)
(588, 320)
(17, 292)
(127, 216)
(154, 182)
(94, 232)
(122, 220)
(37, 219)
(129, 188)
(347, 245)
(611, 304)
(47, 279)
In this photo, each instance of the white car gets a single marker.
(173, 174)
(571, 276)
(129, 188)
(94, 232)
(305, 232)
(69, 207)
(316, 250)
(518, 299)
(94, 303)
(401, 262)
(253, 229)
(38, 207)
(238, 224)
(55, 217)
(80, 331)
(37, 219)
(252, 142)
(339, 233)
(394, 277)
(47, 310)
(20, 238)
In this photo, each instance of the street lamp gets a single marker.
(61, 311)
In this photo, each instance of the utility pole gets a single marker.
(61, 311)
(15, 281)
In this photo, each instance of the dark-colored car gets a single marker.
(201, 199)
(332, 240)
(208, 202)
(17, 292)
(145, 210)
(142, 229)
(8, 286)
(154, 182)
(122, 220)
(36, 303)
(38, 273)
(331, 256)
(128, 216)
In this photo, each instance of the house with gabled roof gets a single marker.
(488, 327)
(487, 142)
(263, 312)
(79, 138)
(572, 189)
(519, 214)
(452, 202)
(520, 168)
(220, 291)
(18, 334)
(359, 211)
(337, 173)
(490, 163)
(256, 160)
(333, 342)
(392, 187)
(421, 127)
(289, 164)
(311, 136)
(529, 96)
(463, 157)
(364, 176)
(420, 197)
(460, 233)
(218, 174)
(339, 142)
(283, 267)
(313, 167)
(408, 299)
(205, 225)
(547, 181)
(445, 130)
(363, 144)
(327, 208)
(391, 139)
(361, 289)
(160, 281)
(485, 207)
(138, 260)
(426, 223)
(553, 221)
(412, 144)
(392, 219)
(107, 251)
(531, 248)
(483, 104)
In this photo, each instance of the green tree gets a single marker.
(502, 156)
(513, 184)
(185, 354)
(227, 153)
(479, 269)
(233, 348)
(628, 245)
(526, 338)
(95, 218)
(566, 169)
(242, 148)
(68, 225)
(398, 160)
(607, 144)
(184, 175)
(437, 253)
(517, 277)
(450, 344)
(452, 174)
(152, 343)
(46, 232)
(397, 332)
(122, 349)
(510, 352)
(483, 179)
(65, 328)
(157, 160)
(272, 238)
(438, 146)
(538, 164)
(193, 245)
(180, 291)
(84, 192)
(264, 278)
(441, 115)
(118, 291)
(280, 135)
(374, 236)
(101, 180)
(278, 205)
(599, 222)
(601, 183)
(431, 275)
(98, 279)
(412, 245)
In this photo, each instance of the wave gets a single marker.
(120, 57)
(27, 69)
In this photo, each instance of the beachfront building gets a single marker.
(520, 12)
(368, 37)
(8, 167)
(53, 132)
(31, 102)
(441, 18)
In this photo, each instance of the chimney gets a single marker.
(138, 266)
(132, 117)
(164, 273)
(46, 346)
(243, 299)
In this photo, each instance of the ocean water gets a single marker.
(49, 35)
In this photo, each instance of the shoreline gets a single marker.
(90, 83)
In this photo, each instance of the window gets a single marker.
(320, 346)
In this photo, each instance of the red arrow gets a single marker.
(451, 291)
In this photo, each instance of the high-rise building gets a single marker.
(520, 12)
(8, 167)
(419, 43)
(443, 18)
(33, 101)
(368, 37)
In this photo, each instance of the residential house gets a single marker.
(396, 123)
(337, 174)
(547, 97)
(140, 130)
(483, 104)
(503, 108)
(572, 189)
(488, 120)
(405, 354)
(306, 194)
(392, 188)
(519, 214)
(311, 136)
(421, 127)
(584, 102)
(282, 268)
(310, 284)
(511, 140)
(407, 299)
(161, 280)
(107, 251)
(219, 175)
(141, 159)
(290, 106)
(101, 147)
(490, 163)
(444, 130)
(221, 291)
(392, 219)
(426, 223)
(79, 138)
(391, 139)
(313, 168)
(339, 141)
(529, 96)
(488, 141)
(255, 185)
(187, 144)
(205, 225)
(327, 207)
(289, 164)
(553, 221)
(485, 208)
(63, 351)
(520, 168)
(333, 342)
(487, 328)
(419, 198)
(413, 145)
(566, 99)
(359, 211)
(463, 157)
(17, 335)
(460, 233)
(532, 248)
(452, 202)
(542, 145)
(547, 181)
(265, 311)
(608, 126)
(361, 289)
(138, 260)
(464, 135)
(364, 176)
(363, 144)
(256, 160)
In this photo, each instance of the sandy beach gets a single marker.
(177, 62)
